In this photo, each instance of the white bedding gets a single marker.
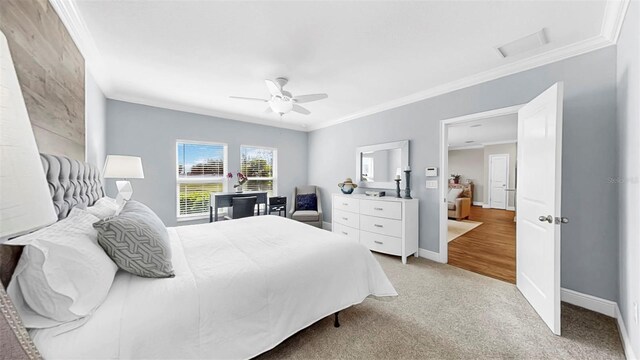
(241, 288)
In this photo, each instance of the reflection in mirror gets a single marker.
(381, 165)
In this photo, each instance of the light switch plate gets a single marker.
(431, 171)
(432, 184)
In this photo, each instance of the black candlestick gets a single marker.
(397, 188)
(407, 189)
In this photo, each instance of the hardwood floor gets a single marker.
(489, 249)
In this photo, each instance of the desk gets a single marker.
(223, 200)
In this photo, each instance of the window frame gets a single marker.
(274, 178)
(200, 180)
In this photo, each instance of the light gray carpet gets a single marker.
(448, 313)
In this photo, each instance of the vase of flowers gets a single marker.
(456, 178)
(241, 180)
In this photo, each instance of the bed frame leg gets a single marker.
(336, 322)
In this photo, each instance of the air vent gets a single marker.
(524, 44)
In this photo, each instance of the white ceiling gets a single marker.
(368, 56)
(477, 133)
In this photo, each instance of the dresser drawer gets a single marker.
(387, 209)
(380, 225)
(346, 204)
(346, 218)
(381, 243)
(351, 233)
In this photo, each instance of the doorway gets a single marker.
(481, 233)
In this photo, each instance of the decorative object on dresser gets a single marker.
(407, 189)
(123, 167)
(375, 193)
(347, 186)
(311, 217)
(387, 225)
(459, 201)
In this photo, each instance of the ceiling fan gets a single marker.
(282, 101)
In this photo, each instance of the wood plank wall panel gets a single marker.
(51, 73)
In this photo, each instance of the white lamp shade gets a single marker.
(123, 167)
(25, 201)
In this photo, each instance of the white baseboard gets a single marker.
(624, 336)
(589, 302)
(428, 254)
(478, 203)
(486, 206)
(511, 208)
(326, 225)
(602, 306)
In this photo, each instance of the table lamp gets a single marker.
(123, 167)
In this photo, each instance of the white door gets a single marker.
(498, 180)
(538, 198)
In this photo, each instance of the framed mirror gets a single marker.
(377, 165)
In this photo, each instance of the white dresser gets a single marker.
(387, 224)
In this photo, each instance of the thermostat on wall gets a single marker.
(431, 171)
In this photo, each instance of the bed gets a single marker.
(240, 288)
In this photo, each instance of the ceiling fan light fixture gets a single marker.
(281, 107)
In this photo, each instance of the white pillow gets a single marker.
(63, 274)
(103, 208)
(453, 194)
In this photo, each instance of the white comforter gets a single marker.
(241, 288)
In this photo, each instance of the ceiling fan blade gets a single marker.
(274, 89)
(309, 98)
(248, 98)
(299, 109)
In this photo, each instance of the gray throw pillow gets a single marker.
(137, 241)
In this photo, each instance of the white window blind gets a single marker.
(200, 171)
(259, 166)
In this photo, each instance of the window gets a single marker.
(200, 171)
(259, 166)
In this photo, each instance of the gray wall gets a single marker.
(510, 149)
(151, 133)
(469, 163)
(590, 241)
(628, 75)
(95, 122)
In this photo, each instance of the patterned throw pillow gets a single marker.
(137, 241)
(307, 202)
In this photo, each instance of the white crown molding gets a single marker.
(467, 147)
(614, 13)
(208, 112)
(612, 22)
(482, 145)
(613, 18)
(513, 141)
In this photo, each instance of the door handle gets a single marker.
(562, 220)
(377, 225)
(547, 218)
(378, 242)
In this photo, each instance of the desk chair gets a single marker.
(243, 207)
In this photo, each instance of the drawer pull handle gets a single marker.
(344, 218)
(377, 208)
(378, 242)
(346, 233)
(377, 225)
(345, 204)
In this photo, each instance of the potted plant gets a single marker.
(241, 180)
(456, 178)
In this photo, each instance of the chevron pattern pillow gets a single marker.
(137, 241)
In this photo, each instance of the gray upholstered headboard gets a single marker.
(71, 183)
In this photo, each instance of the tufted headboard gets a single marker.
(71, 183)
